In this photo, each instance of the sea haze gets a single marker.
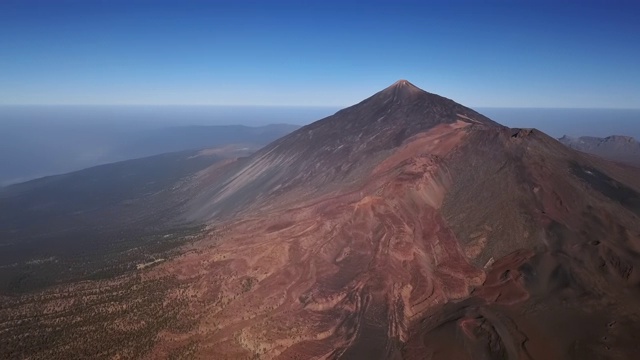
(144, 116)
(37, 141)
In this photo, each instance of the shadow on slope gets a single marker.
(97, 222)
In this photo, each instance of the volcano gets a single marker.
(404, 227)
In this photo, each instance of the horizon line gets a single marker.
(308, 106)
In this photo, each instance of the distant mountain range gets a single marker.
(618, 148)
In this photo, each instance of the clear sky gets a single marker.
(509, 53)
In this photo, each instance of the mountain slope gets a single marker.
(96, 221)
(364, 253)
(333, 153)
(462, 215)
(436, 233)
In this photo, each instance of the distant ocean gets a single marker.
(146, 116)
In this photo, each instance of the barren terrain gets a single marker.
(404, 227)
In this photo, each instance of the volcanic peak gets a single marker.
(404, 83)
(403, 89)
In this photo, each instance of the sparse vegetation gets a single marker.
(248, 283)
(94, 224)
(100, 257)
(103, 319)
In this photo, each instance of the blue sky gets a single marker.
(319, 53)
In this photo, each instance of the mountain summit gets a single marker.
(403, 88)
(403, 101)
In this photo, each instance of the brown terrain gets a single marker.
(404, 227)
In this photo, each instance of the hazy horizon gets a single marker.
(555, 121)
(44, 140)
